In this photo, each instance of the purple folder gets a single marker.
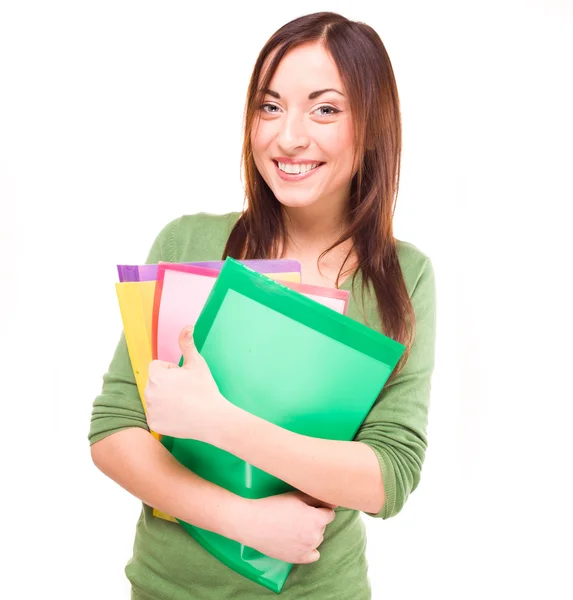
(149, 272)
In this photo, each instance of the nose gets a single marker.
(293, 134)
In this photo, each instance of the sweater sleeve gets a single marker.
(395, 427)
(118, 406)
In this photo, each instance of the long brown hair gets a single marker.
(368, 77)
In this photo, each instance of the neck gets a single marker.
(311, 230)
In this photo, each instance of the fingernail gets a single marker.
(189, 333)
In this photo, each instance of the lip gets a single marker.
(295, 161)
(296, 176)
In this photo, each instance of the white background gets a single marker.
(116, 117)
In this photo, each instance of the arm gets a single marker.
(377, 471)
(340, 473)
(140, 464)
(123, 449)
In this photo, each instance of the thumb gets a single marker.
(187, 345)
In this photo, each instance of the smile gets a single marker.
(296, 171)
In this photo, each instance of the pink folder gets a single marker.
(331, 297)
(180, 295)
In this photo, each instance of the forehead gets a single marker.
(306, 68)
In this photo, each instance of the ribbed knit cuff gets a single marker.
(389, 481)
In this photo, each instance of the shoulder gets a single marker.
(201, 236)
(416, 265)
(207, 221)
(411, 257)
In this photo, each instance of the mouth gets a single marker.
(296, 171)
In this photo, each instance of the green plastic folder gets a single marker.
(292, 361)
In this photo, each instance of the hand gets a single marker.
(184, 402)
(289, 526)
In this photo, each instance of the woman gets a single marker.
(321, 158)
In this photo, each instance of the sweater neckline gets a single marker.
(346, 285)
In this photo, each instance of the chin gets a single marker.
(295, 202)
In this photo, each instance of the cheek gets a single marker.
(339, 144)
(337, 139)
(260, 140)
(261, 136)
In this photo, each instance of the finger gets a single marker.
(187, 345)
(328, 513)
(157, 369)
(312, 556)
(314, 501)
(308, 499)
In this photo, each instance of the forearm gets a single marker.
(134, 459)
(341, 473)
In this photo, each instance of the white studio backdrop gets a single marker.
(116, 117)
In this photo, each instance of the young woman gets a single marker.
(321, 160)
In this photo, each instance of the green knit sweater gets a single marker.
(167, 563)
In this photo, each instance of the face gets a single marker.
(302, 137)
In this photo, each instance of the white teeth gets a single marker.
(297, 169)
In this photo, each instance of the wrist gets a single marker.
(225, 422)
(238, 519)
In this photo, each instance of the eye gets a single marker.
(269, 108)
(326, 111)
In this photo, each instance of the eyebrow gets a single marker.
(311, 96)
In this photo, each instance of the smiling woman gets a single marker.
(321, 158)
